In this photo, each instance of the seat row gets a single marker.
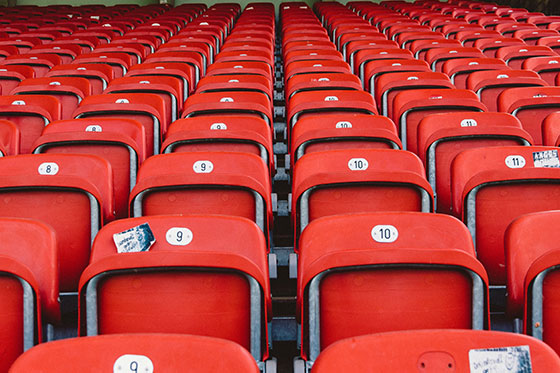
(431, 256)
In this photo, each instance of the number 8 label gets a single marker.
(177, 236)
(133, 364)
(48, 168)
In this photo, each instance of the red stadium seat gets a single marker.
(205, 283)
(436, 350)
(394, 271)
(490, 188)
(442, 136)
(72, 193)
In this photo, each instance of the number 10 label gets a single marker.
(384, 233)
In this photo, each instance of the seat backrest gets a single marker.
(437, 351)
(489, 84)
(69, 91)
(342, 131)
(546, 67)
(490, 188)
(28, 268)
(217, 133)
(389, 85)
(459, 69)
(221, 272)
(30, 113)
(98, 75)
(410, 107)
(515, 55)
(228, 103)
(437, 56)
(168, 88)
(442, 136)
(551, 129)
(9, 138)
(347, 264)
(159, 352)
(120, 141)
(532, 259)
(308, 103)
(357, 180)
(200, 182)
(531, 105)
(72, 193)
(147, 108)
(12, 75)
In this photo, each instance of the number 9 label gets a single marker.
(203, 167)
(133, 364)
(178, 236)
(384, 233)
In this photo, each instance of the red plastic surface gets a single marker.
(68, 90)
(430, 351)
(217, 133)
(412, 106)
(29, 113)
(491, 129)
(96, 74)
(227, 189)
(143, 107)
(168, 353)
(391, 182)
(110, 142)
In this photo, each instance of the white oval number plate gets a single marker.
(203, 167)
(515, 161)
(218, 126)
(94, 128)
(344, 125)
(358, 164)
(469, 123)
(133, 364)
(48, 168)
(178, 236)
(384, 233)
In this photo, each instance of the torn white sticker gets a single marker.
(546, 158)
(135, 239)
(516, 359)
